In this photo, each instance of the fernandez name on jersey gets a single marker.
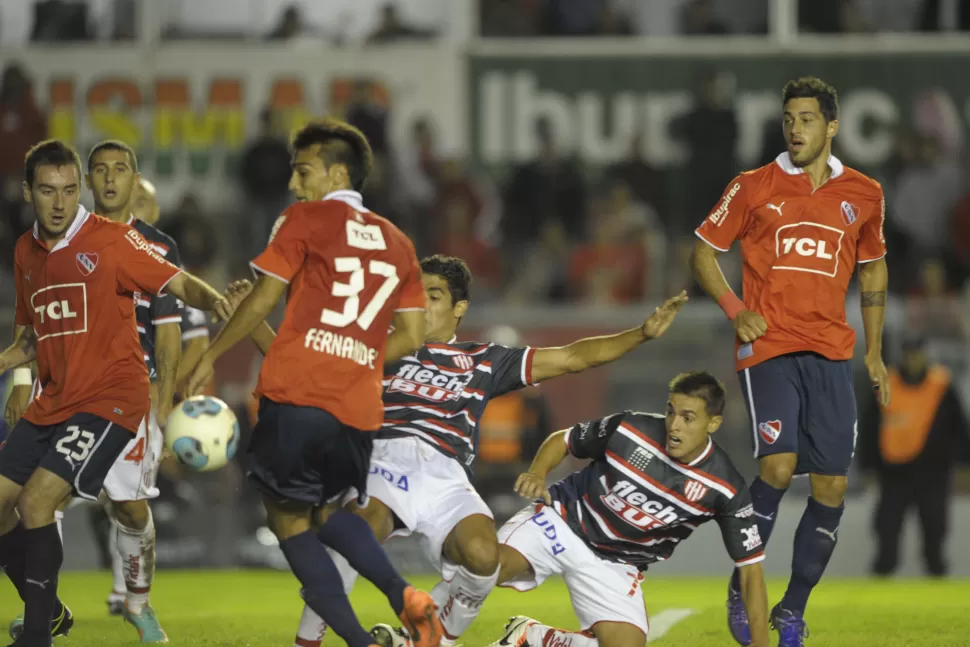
(633, 503)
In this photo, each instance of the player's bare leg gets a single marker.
(774, 476)
(473, 545)
(135, 542)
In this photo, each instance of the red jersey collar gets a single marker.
(784, 161)
(79, 219)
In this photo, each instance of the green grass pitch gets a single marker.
(242, 608)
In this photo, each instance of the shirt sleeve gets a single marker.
(730, 218)
(165, 309)
(287, 249)
(511, 368)
(140, 267)
(589, 439)
(412, 291)
(22, 315)
(872, 239)
(738, 529)
(193, 324)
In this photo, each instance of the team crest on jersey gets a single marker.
(769, 430)
(694, 491)
(849, 212)
(463, 362)
(86, 263)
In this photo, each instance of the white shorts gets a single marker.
(132, 477)
(429, 492)
(599, 589)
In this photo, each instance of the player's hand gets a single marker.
(532, 486)
(237, 291)
(17, 403)
(200, 377)
(879, 376)
(749, 325)
(162, 411)
(663, 316)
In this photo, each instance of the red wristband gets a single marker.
(730, 304)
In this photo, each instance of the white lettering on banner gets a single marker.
(343, 346)
(719, 214)
(61, 310)
(808, 247)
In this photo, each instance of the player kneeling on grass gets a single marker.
(652, 480)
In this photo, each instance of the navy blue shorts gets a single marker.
(305, 454)
(803, 404)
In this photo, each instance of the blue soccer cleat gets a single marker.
(791, 627)
(738, 618)
(149, 629)
(61, 625)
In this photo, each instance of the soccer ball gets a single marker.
(203, 433)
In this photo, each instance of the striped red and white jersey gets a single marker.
(440, 393)
(633, 503)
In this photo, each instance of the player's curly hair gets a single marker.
(50, 152)
(703, 385)
(340, 143)
(113, 145)
(453, 270)
(812, 87)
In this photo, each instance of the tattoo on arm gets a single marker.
(28, 340)
(873, 299)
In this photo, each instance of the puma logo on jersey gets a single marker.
(633, 506)
(776, 208)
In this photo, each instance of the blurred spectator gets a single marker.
(265, 175)
(852, 19)
(926, 192)
(365, 112)
(290, 24)
(934, 308)
(197, 240)
(960, 231)
(540, 274)
(21, 126)
(548, 189)
(616, 266)
(710, 131)
(645, 180)
(941, 15)
(914, 445)
(699, 19)
(125, 18)
(572, 17)
(417, 175)
(392, 28)
(506, 18)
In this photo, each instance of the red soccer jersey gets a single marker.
(79, 298)
(799, 249)
(349, 271)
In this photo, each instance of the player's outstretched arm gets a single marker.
(594, 351)
(755, 596)
(197, 293)
(407, 336)
(749, 325)
(532, 484)
(168, 352)
(22, 351)
(873, 282)
(251, 313)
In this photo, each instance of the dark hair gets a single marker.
(50, 152)
(340, 143)
(113, 145)
(812, 87)
(453, 270)
(703, 385)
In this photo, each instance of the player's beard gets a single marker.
(810, 157)
(47, 232)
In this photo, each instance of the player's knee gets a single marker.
(377, 515)
(480, 555)
(134, 515)
(829, 490)
(619, 634)
(777, 470)
(37, 507)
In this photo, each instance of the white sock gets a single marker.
(137, 549)
(118, 588)
(466, 594)
(539, 635)
(312, 627)
(59, 520)
(440, 593)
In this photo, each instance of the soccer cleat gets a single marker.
(738, 618)
(116, 606)
(149, 629)
(515, 630)
(420, 618)
(388, 636)
(60, 625)
(791, 627)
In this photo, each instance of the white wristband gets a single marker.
(22, 377)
